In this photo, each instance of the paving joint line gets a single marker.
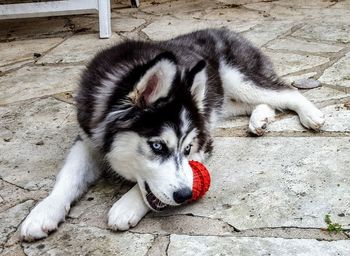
(154, 242)
(167, 246)
(15, 185)
(290, 31)
(222, 133)
(34, 99)
(56, 97)
(20, 223)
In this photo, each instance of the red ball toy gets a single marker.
(201, 180)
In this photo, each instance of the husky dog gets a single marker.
(147, 108)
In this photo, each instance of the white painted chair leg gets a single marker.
(104, 16)
(135, 3)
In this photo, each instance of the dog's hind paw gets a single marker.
(312, 118)
(44, 218)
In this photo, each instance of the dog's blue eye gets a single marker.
(188, 150)
(157, 146)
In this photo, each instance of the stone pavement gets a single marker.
(269, 195)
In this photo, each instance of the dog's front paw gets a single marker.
(312, 118)
(127, 211)
(122, 218)
(44, 218)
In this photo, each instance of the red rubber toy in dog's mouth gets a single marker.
(201, 184)
(201, 180)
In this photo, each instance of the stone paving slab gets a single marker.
(338, 74)
(118, 24)
(15, 250)
(37, 81)
(126, 24)
(246, 246)
(271, 185)
(11, 218)
(11, 195)
(159, 246)
(166, 28)
(78, 48)
(32, 151)
(294, 44)
(308, 11)
(237, 15)
(323, 96)
(18, 51)
(326, 32)
(179, 9)
(92, 209)
(183, 224)
(286, 63)
(14, 66)
(74, 239)
(267, 31)
(39, 28)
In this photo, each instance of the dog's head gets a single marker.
(156, 127)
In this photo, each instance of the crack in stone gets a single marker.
(243, 133)
(218, 219)
(56, 97)
(287, 33)
(267, 230)
(20, 202)
(337, 87)
(53, 96)
(320, 69)
(19, 224)
(26, 63)
(17, 186)
(52, 48)
(61, 64)
(234, 229)
(153, 243)
(298, 52)
(167, 246)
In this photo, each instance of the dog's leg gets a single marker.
(242, 89)
(128, 210)
(310, 116)
(261, 116)
(234, 108)
(79, 171)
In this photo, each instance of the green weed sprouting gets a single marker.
(332, 227)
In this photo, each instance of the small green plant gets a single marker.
(332, 227)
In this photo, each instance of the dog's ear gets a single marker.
(156, 81)
(198, 80)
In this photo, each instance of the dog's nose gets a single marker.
(181, 195)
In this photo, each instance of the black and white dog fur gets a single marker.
(147, 108)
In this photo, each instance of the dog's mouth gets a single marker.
(153, 201)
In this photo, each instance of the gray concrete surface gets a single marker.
(269, 195)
